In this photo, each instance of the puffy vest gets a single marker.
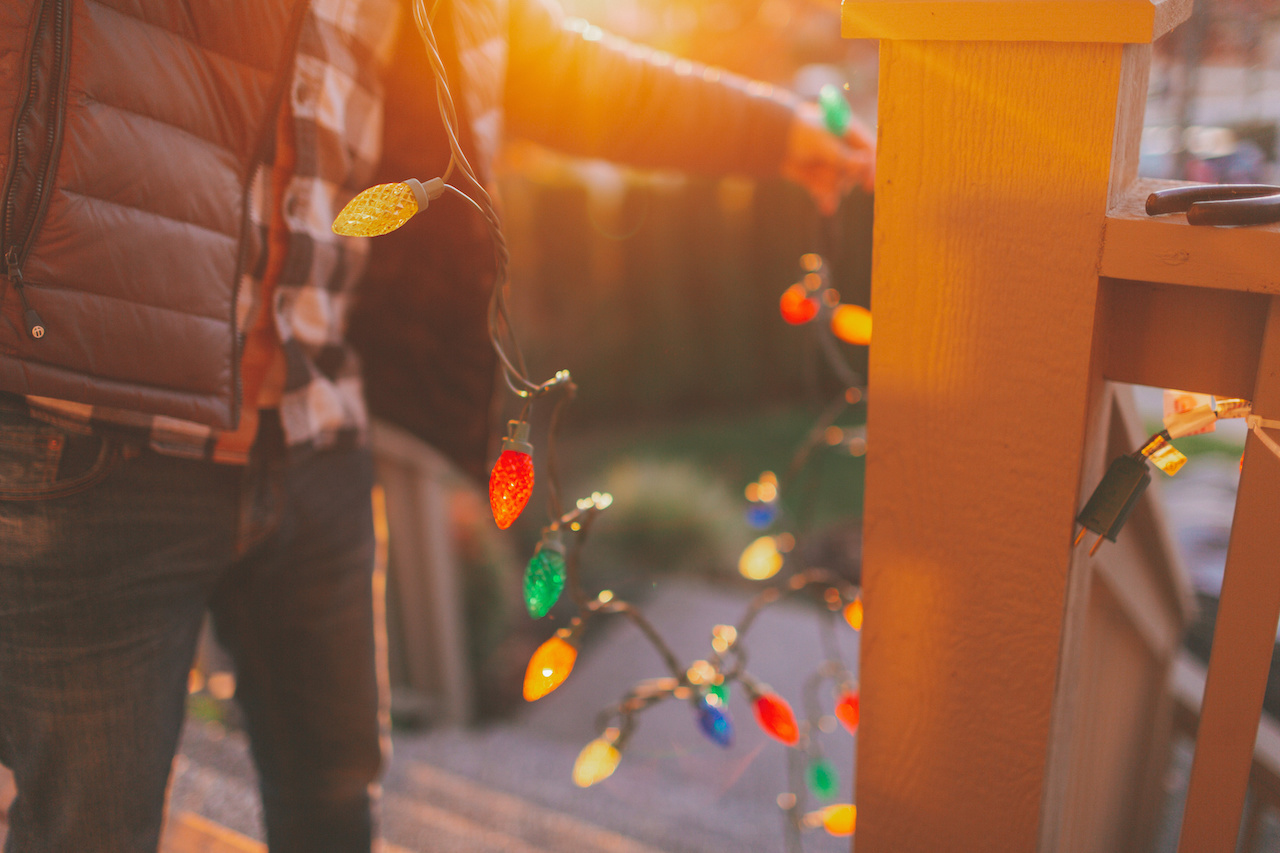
(135, 131)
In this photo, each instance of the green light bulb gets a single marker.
(721, 692)
(836, 112)
(544, 578)
(822, 778)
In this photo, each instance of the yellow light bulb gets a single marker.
(549, 667)
(377, 210)
(760, 560)
(852, 324)
(840, 819)
(595, 763)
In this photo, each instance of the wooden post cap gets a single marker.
(1097, 21)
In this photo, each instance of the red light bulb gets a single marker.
(847, 710)
(511, 482)
(797, 306)
(777, 719)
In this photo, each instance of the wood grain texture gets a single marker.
(1166, 249)
(1244, 633)
(1092, 21)
(990, 199)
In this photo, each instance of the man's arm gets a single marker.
(586, 92)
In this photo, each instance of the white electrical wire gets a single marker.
(513, 367)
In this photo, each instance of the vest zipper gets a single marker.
(25, 203)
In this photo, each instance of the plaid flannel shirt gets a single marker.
(335, 100)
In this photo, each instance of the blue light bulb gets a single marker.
(715, 723)
(760, 515)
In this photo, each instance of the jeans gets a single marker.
(108, 562)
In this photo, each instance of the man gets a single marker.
(182, 422)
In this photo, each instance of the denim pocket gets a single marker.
(31, 453)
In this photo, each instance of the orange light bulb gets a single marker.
(853, 613)
(549, 667)
(776, 718)
(852, 324)
(511, 482)
(847, 710)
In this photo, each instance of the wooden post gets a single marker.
(432, 642)
(997, 125)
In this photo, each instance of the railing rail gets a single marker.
(1186, 686)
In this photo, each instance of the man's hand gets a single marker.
(826, 165)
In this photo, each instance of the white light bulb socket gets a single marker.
(424, 193)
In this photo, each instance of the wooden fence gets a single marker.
(661, 296)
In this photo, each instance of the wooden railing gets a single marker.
(1014, 687)
(1187, 688)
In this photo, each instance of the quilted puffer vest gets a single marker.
(134, 131)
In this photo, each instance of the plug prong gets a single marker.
(1097, 543)
(1079, 536)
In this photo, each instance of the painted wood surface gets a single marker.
(1126, 610)
(423, 567)
(1137, 21)
(990, 200)
(1166, 249)
(1186, 689)
(1244, 633)
(1175, 336)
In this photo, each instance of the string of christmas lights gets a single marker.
(553, 571)
(554, 567)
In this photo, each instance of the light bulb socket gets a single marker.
(624, 735)
(573, 633)
(423, 194)
(517, 438)
(552, 540)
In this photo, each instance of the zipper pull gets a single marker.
(35, 326)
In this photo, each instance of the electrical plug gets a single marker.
(1114, 498)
